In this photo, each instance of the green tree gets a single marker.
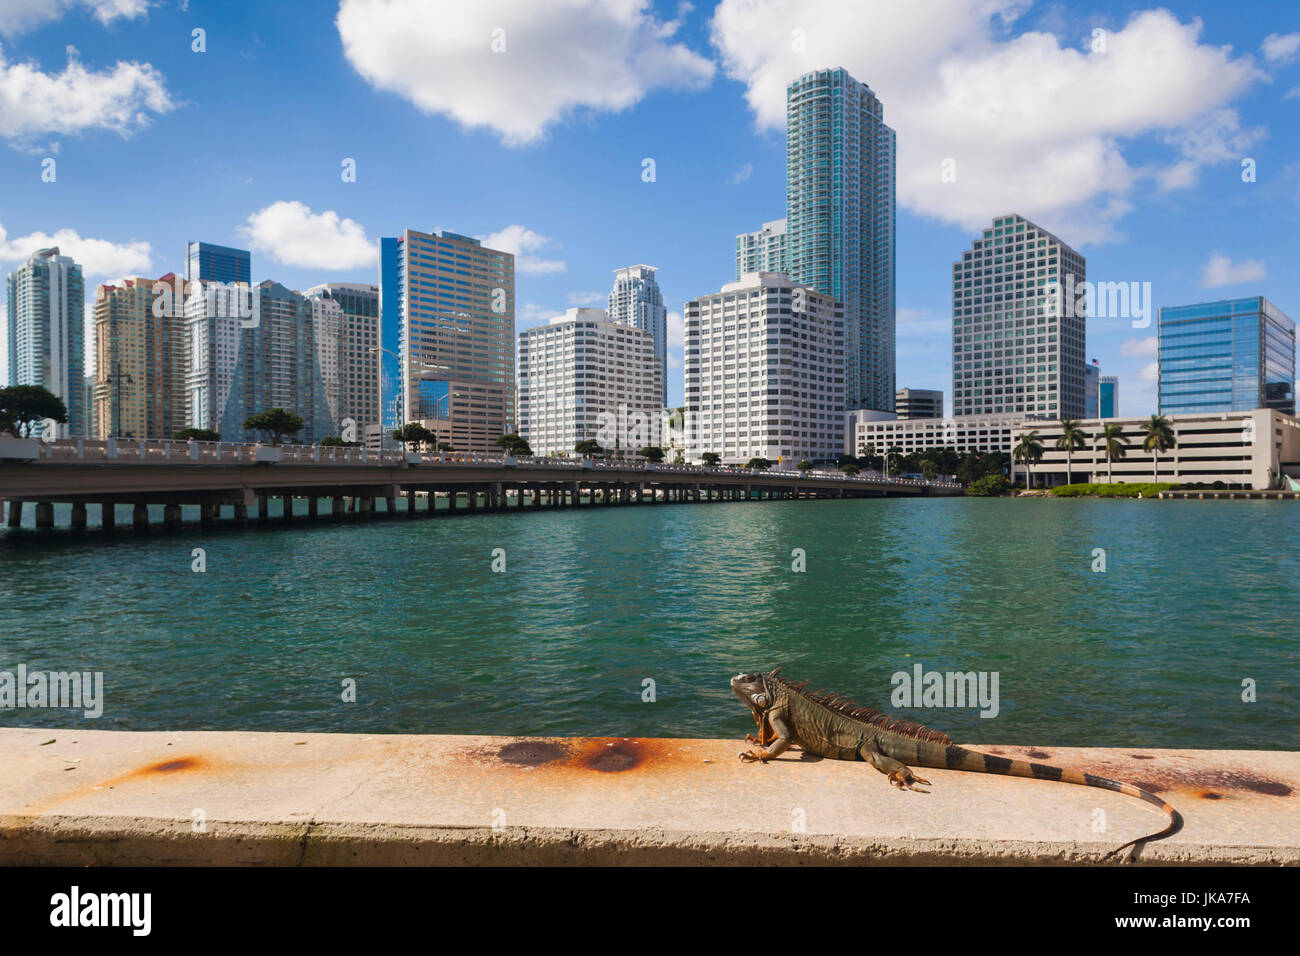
(445, 446)
(804, 466)
(892, 453)
(513, 445)
(758, 464)
(199, 434)
(23, 406)
(1028, 450)
(850, 469)
(928, 467)
(1159, 437)
(1111, 438)
(1072, 438)
(413, 433)
(652, 453)
(336, 441)
(710, 459)
(277, 423)
(988, 486)
(588, 448)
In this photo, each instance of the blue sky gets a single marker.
(1131, 151)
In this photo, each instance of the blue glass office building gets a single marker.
(1235, 355)
(205, 262)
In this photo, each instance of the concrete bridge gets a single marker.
(137, 473)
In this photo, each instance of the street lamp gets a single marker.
(117, 378)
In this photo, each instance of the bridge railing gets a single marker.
(160, 451)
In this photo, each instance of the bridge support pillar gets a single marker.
(263, 508)
(140, 517)
(108, 516)
(172, 517)
(241, 514)
(472, 495)
(498, 497)
(390, 504)
(338, 507)
(44, 514)
(313, 506)
(207, 512)
(79, 516)
(410, 502)
(575, 495)
(451, 499)
(287, 510)
(537, 496)
(15, 513)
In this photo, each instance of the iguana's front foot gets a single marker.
(903, 780)
(754, 753)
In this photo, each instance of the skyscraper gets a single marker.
(840, 218)
(46, 314)
(636, 300)
(140, 359)
(254, 349)
(1234, 355)
(358, 351)
(583, 377)
(1017, 330)
(208, 262)
(918, 403)
(764, 363)
(1108, 397)
(764, 250)
(1092, 389)
(453, 302)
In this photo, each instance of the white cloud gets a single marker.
(1292, 94)
(742, 174)
(294, 236)
(558, 57)
(1140, 348)
(530, 314)
(1280, 47)
(1215, 138)
(676, 330)
(18, 16)
(33, 103)
(587, 299)
(1221, 271)
(1149, 372)
(97, 257)
(1033, 127)
(519, 241)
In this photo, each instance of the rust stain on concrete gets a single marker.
(160, 768)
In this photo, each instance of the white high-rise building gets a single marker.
(636, 300)
(762, 251)
(1017, 327)
(765, 369)
(46, 331)
(583, 377)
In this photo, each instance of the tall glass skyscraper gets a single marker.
(1234, 355)
(46, 299)
(451, 302)
(840, 219)
(206, 262)
(636, 300)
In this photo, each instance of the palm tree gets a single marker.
(1160, 437)
(1111, 437)
(1072, 437)
(1028, 450)
(894, 452)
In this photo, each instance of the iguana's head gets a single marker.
(753, 690)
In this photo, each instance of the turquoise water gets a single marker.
(1197, 596)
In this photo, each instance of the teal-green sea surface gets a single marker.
(1197, 598)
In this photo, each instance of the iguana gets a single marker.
(832, 726)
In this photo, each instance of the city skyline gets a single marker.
(547, 196)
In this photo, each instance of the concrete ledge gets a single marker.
(115, 798)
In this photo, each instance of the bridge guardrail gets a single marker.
(170, 451)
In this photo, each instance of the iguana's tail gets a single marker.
(959, 758)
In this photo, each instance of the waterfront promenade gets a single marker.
(79, 798)
(245, 477)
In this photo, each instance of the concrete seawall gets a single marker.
(120, 798)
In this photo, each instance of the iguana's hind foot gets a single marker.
(900, 775)
(903, 780)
